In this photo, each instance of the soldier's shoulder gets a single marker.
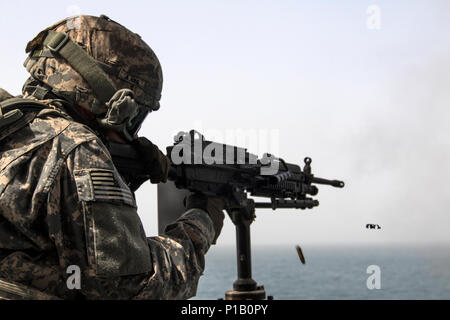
(79, 132)
(65, 132)
(76, 134)
(62, 126)
(49, 124)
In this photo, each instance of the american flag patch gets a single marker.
(102, 185)
(107, 187)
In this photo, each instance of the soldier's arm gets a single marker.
(118, 261)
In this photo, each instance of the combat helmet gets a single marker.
(101, 66)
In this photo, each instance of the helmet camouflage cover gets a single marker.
(124, 57)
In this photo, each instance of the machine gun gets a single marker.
(233, 173)
(220, 170)
(230, 172)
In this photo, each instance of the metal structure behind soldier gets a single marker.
(62, 201)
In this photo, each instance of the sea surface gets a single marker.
(333, 273)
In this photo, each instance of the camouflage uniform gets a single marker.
(63, 202)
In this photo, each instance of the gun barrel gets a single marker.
(288, 204)
(333, 183)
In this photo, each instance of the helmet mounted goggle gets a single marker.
(125, 115)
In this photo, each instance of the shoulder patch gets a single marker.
(103, 185)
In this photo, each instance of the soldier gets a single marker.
(63, 203)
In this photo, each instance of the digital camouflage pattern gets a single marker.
(63, 203)
(127, 59)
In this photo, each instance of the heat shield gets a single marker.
(170, 204)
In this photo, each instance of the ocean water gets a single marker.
(334, 273)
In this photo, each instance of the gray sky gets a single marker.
(370, 106)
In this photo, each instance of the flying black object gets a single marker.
(300, 254)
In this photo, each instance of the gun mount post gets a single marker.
(244, 288)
